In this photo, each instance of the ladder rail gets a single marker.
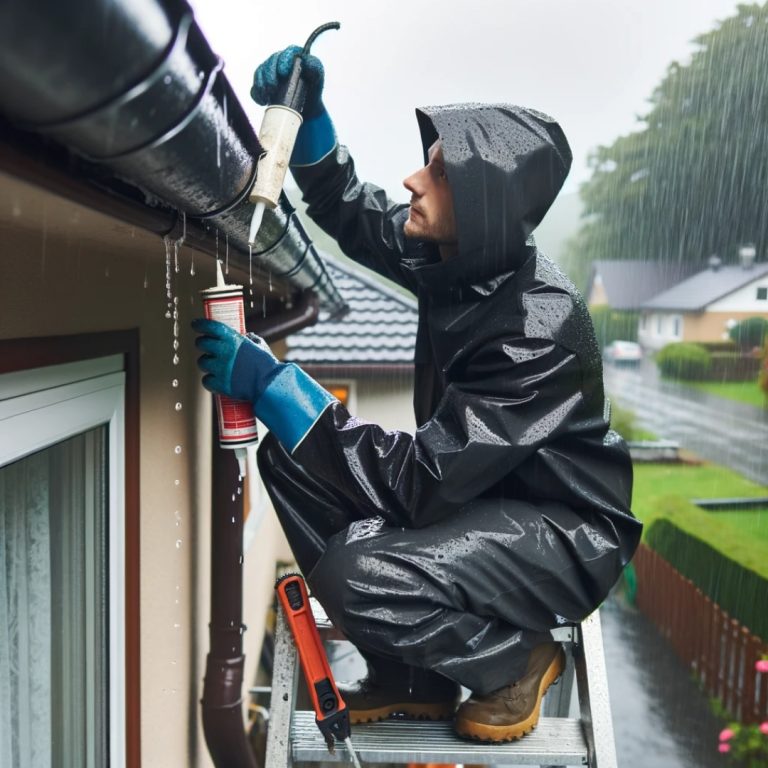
(594, 701)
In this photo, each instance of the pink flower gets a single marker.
(726, 734)
(764, 727)
(724, 747)
(762, 665)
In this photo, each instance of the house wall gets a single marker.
(597, 294)
(67, 270)
(704, 326)
(387, 401)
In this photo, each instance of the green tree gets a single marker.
(693, 181)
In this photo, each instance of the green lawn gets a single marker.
(742, 391)
(654, 482)
(753, 521)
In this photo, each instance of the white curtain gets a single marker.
(25, 614)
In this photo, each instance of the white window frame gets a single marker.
(43, 406)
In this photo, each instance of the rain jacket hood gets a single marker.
(505, 166)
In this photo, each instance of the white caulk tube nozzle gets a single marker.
(241, 455)
(219, 276)
(258, 215)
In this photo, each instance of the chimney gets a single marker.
(747, 253)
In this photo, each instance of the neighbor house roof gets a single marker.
(379, 329)
(705, 287)
(629, 283)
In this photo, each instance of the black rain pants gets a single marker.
(467, 597)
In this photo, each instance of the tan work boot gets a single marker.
(512, 711)
(392, 688)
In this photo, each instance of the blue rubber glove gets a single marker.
(284, 398)
(316, 137)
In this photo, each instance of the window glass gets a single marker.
(54, 704)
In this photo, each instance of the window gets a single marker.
(762, 294)
(62, 606)
(677, 323)
(658, 324)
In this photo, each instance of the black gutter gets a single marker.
(133, 87)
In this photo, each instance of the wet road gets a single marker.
(660, 717)
(719, 430)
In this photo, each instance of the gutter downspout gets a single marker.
(157, 113)
(222, 701)
(222, 688)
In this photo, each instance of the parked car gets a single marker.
(623, 353)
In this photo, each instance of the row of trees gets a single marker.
(694, 180)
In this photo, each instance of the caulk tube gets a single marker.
(237, 424)
(277, 136)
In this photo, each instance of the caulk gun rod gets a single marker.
(355, 760)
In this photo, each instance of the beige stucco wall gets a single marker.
(387, 401)
(66, 270)
(712, 326)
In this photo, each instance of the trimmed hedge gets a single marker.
(684, 360)
(726, 564)
(750, 333)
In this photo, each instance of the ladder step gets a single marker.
(554, 741)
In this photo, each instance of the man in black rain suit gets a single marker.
(448, 556)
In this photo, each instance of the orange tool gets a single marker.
(331, 714)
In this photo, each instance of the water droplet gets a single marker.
(178, 406)
(167, 314)
(167, 79)
(175, 383)
(175, 359)
(175, 344)
(178, 543)
(233, 519)
(239, 491)
(177, 450)
(233, 497)
(177, 482)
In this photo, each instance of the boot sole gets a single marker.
(413, 711)
(470, 729)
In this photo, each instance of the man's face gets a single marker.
(431, 215)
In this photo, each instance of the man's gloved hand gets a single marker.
(316, 137)
(284, 398)
(237, 366)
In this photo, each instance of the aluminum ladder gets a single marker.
(557, 740)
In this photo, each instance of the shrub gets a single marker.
(750, 333)
(725, 563)
(762, 379)
(623, 422)
(683, 360)
(611, 325)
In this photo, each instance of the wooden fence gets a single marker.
(721, 651)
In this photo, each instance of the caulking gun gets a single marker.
(277, 136)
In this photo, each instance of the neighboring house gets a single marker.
(705, 306)
(626, 285)
(366, 357)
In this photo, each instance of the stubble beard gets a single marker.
(428, 232)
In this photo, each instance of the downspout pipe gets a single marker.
(222, 699)
(134, 87)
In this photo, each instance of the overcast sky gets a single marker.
(592, 64)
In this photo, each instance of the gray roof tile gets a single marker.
(379, 329)
(629, 283)
(705, 287)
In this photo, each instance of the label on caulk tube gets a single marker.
(237, 424)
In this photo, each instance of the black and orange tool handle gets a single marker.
(330, 710)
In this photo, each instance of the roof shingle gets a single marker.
(379, 329)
